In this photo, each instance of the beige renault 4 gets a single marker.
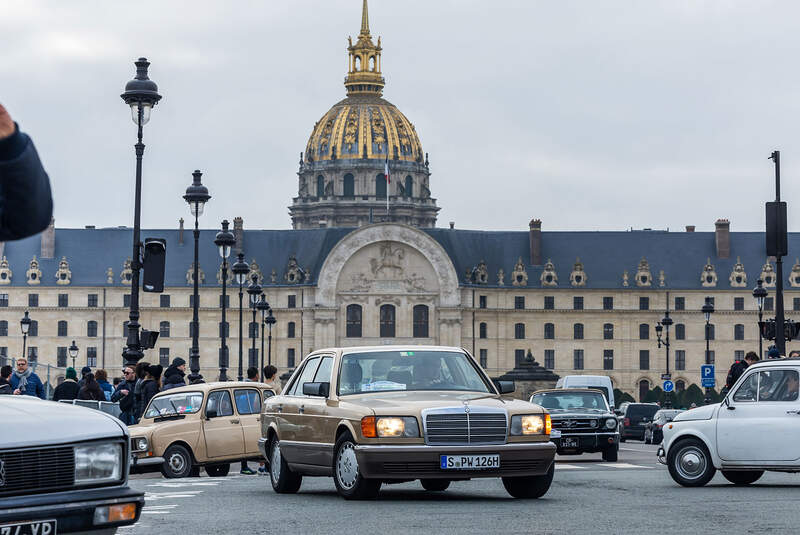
(372, 415)
(209, 425)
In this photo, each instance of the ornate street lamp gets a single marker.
(240, 271)
(197, 196)
(263, 306)
(760, 293)
(141, 94)
(25, 325)
(665, 323)
(73, 353)
(224, 241)
(270, 321)
(253, 290)
(708, 309)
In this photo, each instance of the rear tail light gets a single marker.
(659, 426)
(626, 422)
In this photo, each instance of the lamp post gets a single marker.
(270, 322)
(665, 323)
(708, 309)
(760, 293)
(224, 241)
(263, 306)
(240, 270)
(197, 196)
(73, 353)
(24, 325)
(254, 290)
(141, 94)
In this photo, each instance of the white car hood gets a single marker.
(29, 421)
(700, 413)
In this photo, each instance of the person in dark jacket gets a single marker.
(137, 389)
(25, 198)
(84, 371)
(125, 396)
(102, 380)
(174, 376)
(5, 385)
(91, 389)
(738, 368)
(151, 384)
(69, 388)
(25, 382)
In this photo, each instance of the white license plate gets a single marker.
(469, 462)
(569, 442)
(41, 527)
(555, 433)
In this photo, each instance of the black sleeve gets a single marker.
(26, 203)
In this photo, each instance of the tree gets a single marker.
(694, 395)
(654, 395)
(621, 397)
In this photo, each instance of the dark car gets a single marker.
(634, 419)
(653, 433)
(582, 421)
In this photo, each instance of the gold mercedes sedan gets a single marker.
(372, 415)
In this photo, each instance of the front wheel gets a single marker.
(218, 470)
(690, 463)
(529, 487)
(350, 484)
(435, 485)
(283, 480)
(177, 462)
(742, 477)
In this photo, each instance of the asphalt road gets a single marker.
(634, 495)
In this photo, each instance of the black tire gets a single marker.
(742, 477)
(218, 470)
(610, 455)
(177, 462)
(621, 438)
(350, 484)
(529, 487)
(283, 480)
(690, 464)
(435, 485)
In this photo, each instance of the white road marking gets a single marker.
(563, 466)
(626, 465)
(169, 495)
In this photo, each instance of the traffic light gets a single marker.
(155, 259)
(147, 339)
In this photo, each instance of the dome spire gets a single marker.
(364, 73)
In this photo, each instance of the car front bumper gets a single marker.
(423, 461)
(140, 465)
(74, 510)
(587, 442)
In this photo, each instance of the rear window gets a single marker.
(638, 411)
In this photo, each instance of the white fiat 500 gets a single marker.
(756, 428)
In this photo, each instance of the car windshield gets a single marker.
(641, 410)
(667, 416)
(172, 404)
(571, 401)
(387, 371)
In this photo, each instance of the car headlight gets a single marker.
(98, 463)
(611, 423)
(390, 427)
(139, 444)
(527, 424)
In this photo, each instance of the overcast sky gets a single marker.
(589, 115)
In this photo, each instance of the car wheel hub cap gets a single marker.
(176, 463)
(347, 466)
(275, 462)
(691, 463)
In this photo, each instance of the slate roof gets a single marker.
(605, 255)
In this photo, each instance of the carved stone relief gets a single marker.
(708, 278)
(738, 278)
(34, 274)
(63, 275)
(126, 276)
(201, 276)
(768, 275)
(643, 276)
(387, 267)
(578, 275)
(549, 276)
(519, 277)
(5, 272)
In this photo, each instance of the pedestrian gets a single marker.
(124, 395)
(26, 198)
(5, 385)
(794, 353)
(137, 389)
(117, 381)
(67, 390)
(84, 372)
(174, 376)
(693, 405)
(195, 379)
(773, 353)
(252, 374)
(102, 380)
(738, 367)
(252, 377)
(25, 382)
(91, 389)
(271, 378)
(151, 384)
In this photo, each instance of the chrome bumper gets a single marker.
(142, 462)
(262, 447)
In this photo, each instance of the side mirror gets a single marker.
(211, 412)
(316, 389)
(505, 387)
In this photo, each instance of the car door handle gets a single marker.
(234, 421)
(301, 409)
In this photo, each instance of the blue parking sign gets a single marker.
(707, 371)
(668, 386)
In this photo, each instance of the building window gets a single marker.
(163, 300)
(738, 355)
(224, 329)
(63, 300)
(519, 331)
(519, 302)
(644, 359)
(252, 357)
(644, 331)
(577, 359)
(608, 331)
(3, 300)
(644, 303)
(163, 329)
(252, 329)
(163, 356)
(680, 303)
(380, 186)
(420, 321)
(608, 303)
(680, 359)
(62, 328)
(608, 359)
(61, 357)
(550, 359)
(33, 300)
(549, 331)
(3, 328)
(290, 358)
(482, 330)
(349, 186)
(710, 331)
(795, 302)
(577, 303)
(33, 354)
(738, 332)
(549, 302)
(738, 303)
(320, 186)
(91, 329)
(291, 301)
(484, 358)
(387, 324)
(91, 301)
(126, 300)
(481, 301)
(290, 329)
(769, 303)
(680, 331)
(577, 331)
(409, 189)
(519, 356)
(33, 330)
(227, 301)
(353, 329)
(91, 357)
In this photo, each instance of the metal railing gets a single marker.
(108, 407)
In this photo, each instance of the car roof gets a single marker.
(399, 347)
(205, 387)
(794, 361)
(583, 390)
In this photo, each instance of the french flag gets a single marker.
(386, 171)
